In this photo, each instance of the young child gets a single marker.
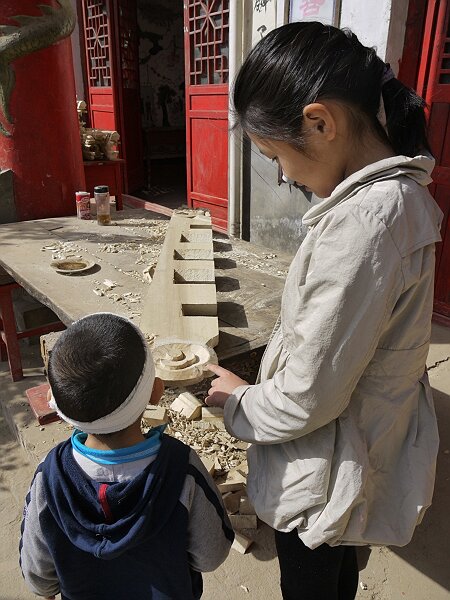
(112, 514)
(341, 420)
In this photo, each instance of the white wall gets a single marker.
(378, 23)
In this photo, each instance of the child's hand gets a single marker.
(223, 386)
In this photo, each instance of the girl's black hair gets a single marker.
(94, 366)
(301, 63)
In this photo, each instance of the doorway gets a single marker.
(157, 71)
(162, 101)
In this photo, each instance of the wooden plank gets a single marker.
(181, 302)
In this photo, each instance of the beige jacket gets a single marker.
(342, 424)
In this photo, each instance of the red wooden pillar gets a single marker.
(43, 150)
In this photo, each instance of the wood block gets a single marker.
(243, 468)
(209, 464)
(243, 521)
(47, 342)
(241, 543)
(210, 413)
(184, 277)
(231, 482)
(232, 501)
(154, 416)
(37, 399)
(245, 506)
(187, 405)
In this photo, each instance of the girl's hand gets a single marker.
(223, 386)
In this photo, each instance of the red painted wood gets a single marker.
(206, 75)
(112, 59)
(127, 91)
(434, 84)
(8, 332)
(9, 335)
(409, 64)
(427, 47)
(108, 172)
(44, 149)
(97, 44)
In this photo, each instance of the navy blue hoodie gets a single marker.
(126, 540)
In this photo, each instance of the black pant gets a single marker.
(324, 573)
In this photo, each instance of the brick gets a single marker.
(187, 405)
(154, 416)
(38, 401)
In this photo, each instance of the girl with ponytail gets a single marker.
(341, 420)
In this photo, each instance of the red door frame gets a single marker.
(206, 115)
(108, 106)
(421, 68)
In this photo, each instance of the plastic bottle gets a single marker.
(101, 194)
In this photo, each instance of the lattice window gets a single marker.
(444, 72)
(97, 43)
(128, 44)
(208, 40)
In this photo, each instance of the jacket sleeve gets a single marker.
(36, 562)
(353, 281)
(210, 532)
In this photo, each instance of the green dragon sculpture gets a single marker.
(33, 33)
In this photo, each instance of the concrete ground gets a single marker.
(420, 571)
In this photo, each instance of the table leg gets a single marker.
(10, 334)
(3, 351)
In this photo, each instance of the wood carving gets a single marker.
(181, 302)
(180, 363)
(33, 33)
(96, 144)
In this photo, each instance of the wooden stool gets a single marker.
(9, 336)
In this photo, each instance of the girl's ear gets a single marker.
(157, 391)
(319, 119)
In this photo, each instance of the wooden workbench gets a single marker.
(249, 278)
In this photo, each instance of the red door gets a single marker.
(112, 65)
(206, 65)
(97, 37)
(428, 70)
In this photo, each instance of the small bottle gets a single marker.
(101, 194)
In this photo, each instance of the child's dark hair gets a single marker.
(94, 366)
(301, 63)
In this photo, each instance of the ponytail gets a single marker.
(405, 119)
(301, 63)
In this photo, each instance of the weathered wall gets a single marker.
(161, 56)
(275, 213)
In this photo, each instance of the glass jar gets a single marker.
(101, 195)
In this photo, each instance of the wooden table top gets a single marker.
(249, 278)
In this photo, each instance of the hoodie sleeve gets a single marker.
(37, 565)
(353, 280)
(210, 532)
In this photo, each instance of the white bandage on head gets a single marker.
(131, 408)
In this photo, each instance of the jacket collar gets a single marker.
(418, 168)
